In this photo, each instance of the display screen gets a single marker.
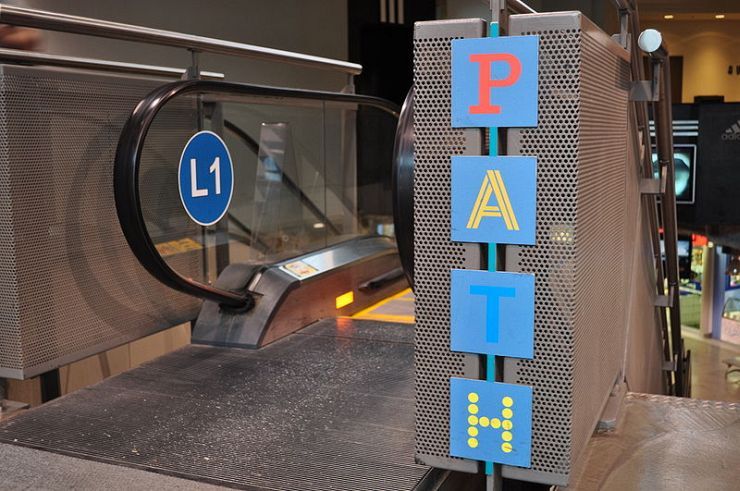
(684, 248)
(684, 156)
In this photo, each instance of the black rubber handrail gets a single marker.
(403, 187)
(128, 156)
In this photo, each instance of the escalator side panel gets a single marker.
(285, 304)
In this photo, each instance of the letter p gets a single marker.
(485, 83)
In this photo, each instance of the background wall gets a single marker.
(317, 27)
(708, 48)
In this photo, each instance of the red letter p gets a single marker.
(485, 84)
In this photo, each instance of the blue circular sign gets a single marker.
(206, 178)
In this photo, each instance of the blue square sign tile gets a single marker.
(494, 199)
(492, 313)
(494, 82)
(491, 421)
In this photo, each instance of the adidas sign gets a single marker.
(733, 132)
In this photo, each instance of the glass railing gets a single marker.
(296, 170)
(295, 176)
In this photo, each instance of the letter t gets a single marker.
(493, 294)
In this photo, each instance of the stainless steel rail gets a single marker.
(638, 74)
(501, 9)
(519, 7)
(54, 21)
(651, 42)
(20, 56)
(624, 4)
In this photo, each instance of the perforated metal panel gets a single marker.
(434, 254)
(69, 285)
(579, 262)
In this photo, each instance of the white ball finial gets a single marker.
(650, 40)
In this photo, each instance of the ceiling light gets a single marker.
(719, 16)
(669, 16)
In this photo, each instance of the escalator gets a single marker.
(280, 389)
(297, 262)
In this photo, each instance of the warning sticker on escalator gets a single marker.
(177, 247)
(300, 270)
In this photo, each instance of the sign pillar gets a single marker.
(494, 84)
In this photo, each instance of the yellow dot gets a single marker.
(472, 442)
(507, 401)
(473, 397)
(507, 424)
(473, 431)
(506, 447)
(496, 423)
(472, 420)
(483, 421)
(507, 413)
(506, 436)
(473, 409)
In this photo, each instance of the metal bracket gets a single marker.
(654, 186)
(623, 37)
(193, 71)
(499, 13)
(669, 366)
(644, 91)
(666, 301)
(610, 414)
(648, 90)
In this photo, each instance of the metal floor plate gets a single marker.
(26, 468)
(664, 443)
(331, 407)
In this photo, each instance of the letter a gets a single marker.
(493, 184)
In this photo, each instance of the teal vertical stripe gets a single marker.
(492, 151)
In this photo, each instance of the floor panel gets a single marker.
(328, 408)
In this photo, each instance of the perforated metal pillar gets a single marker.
(580, 259)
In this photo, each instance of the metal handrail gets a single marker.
(638, 74)
(519, 7)
(128, 156)
(54, 21)
(22, 56)
(403, 186)
(501, 9)
(651, 42)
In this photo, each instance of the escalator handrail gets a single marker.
(403, 186)
(128, 156)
